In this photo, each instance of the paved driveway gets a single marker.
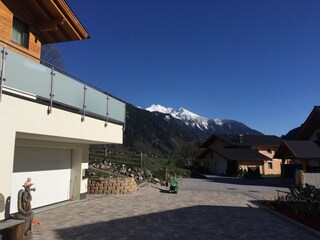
(260, 188)
(152, 213)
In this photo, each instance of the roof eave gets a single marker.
(73, 20)
(50, 21)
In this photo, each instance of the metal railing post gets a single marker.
(84, 102)
(107, 113)
(51, 90)
(124, 120)
(3, 63)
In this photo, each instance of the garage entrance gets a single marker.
(50, 170)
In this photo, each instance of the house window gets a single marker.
(20, 33)
(270, 165)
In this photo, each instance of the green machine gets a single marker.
(174, 185)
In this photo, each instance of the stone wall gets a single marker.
(112, 186)
(122, 169)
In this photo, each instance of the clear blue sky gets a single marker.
(254, 61)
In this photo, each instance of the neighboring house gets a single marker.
(48, 119)
(251, 152)
(303, 152)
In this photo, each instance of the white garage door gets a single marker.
(50, 170)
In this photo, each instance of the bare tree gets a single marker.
(51, 54)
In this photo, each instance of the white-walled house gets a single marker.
(48, 118)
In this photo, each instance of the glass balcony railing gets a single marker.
(58, 88)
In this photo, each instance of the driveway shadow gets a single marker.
(197, 222)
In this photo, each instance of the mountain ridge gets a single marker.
(203, 123)
(165, 132)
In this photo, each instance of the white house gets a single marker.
(47, 118)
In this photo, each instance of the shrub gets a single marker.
(253, 173)
(232, 168)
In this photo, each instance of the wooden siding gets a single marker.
(6, 18)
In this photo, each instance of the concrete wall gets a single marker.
(27, 123)
(29, 120)
(312, 179)
(301, 178)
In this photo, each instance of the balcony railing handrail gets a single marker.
(50, 83)
(62, 71)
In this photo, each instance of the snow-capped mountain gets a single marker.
(206, 125)
(189, 118)
(159, 108)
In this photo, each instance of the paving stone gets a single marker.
(152, 213)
